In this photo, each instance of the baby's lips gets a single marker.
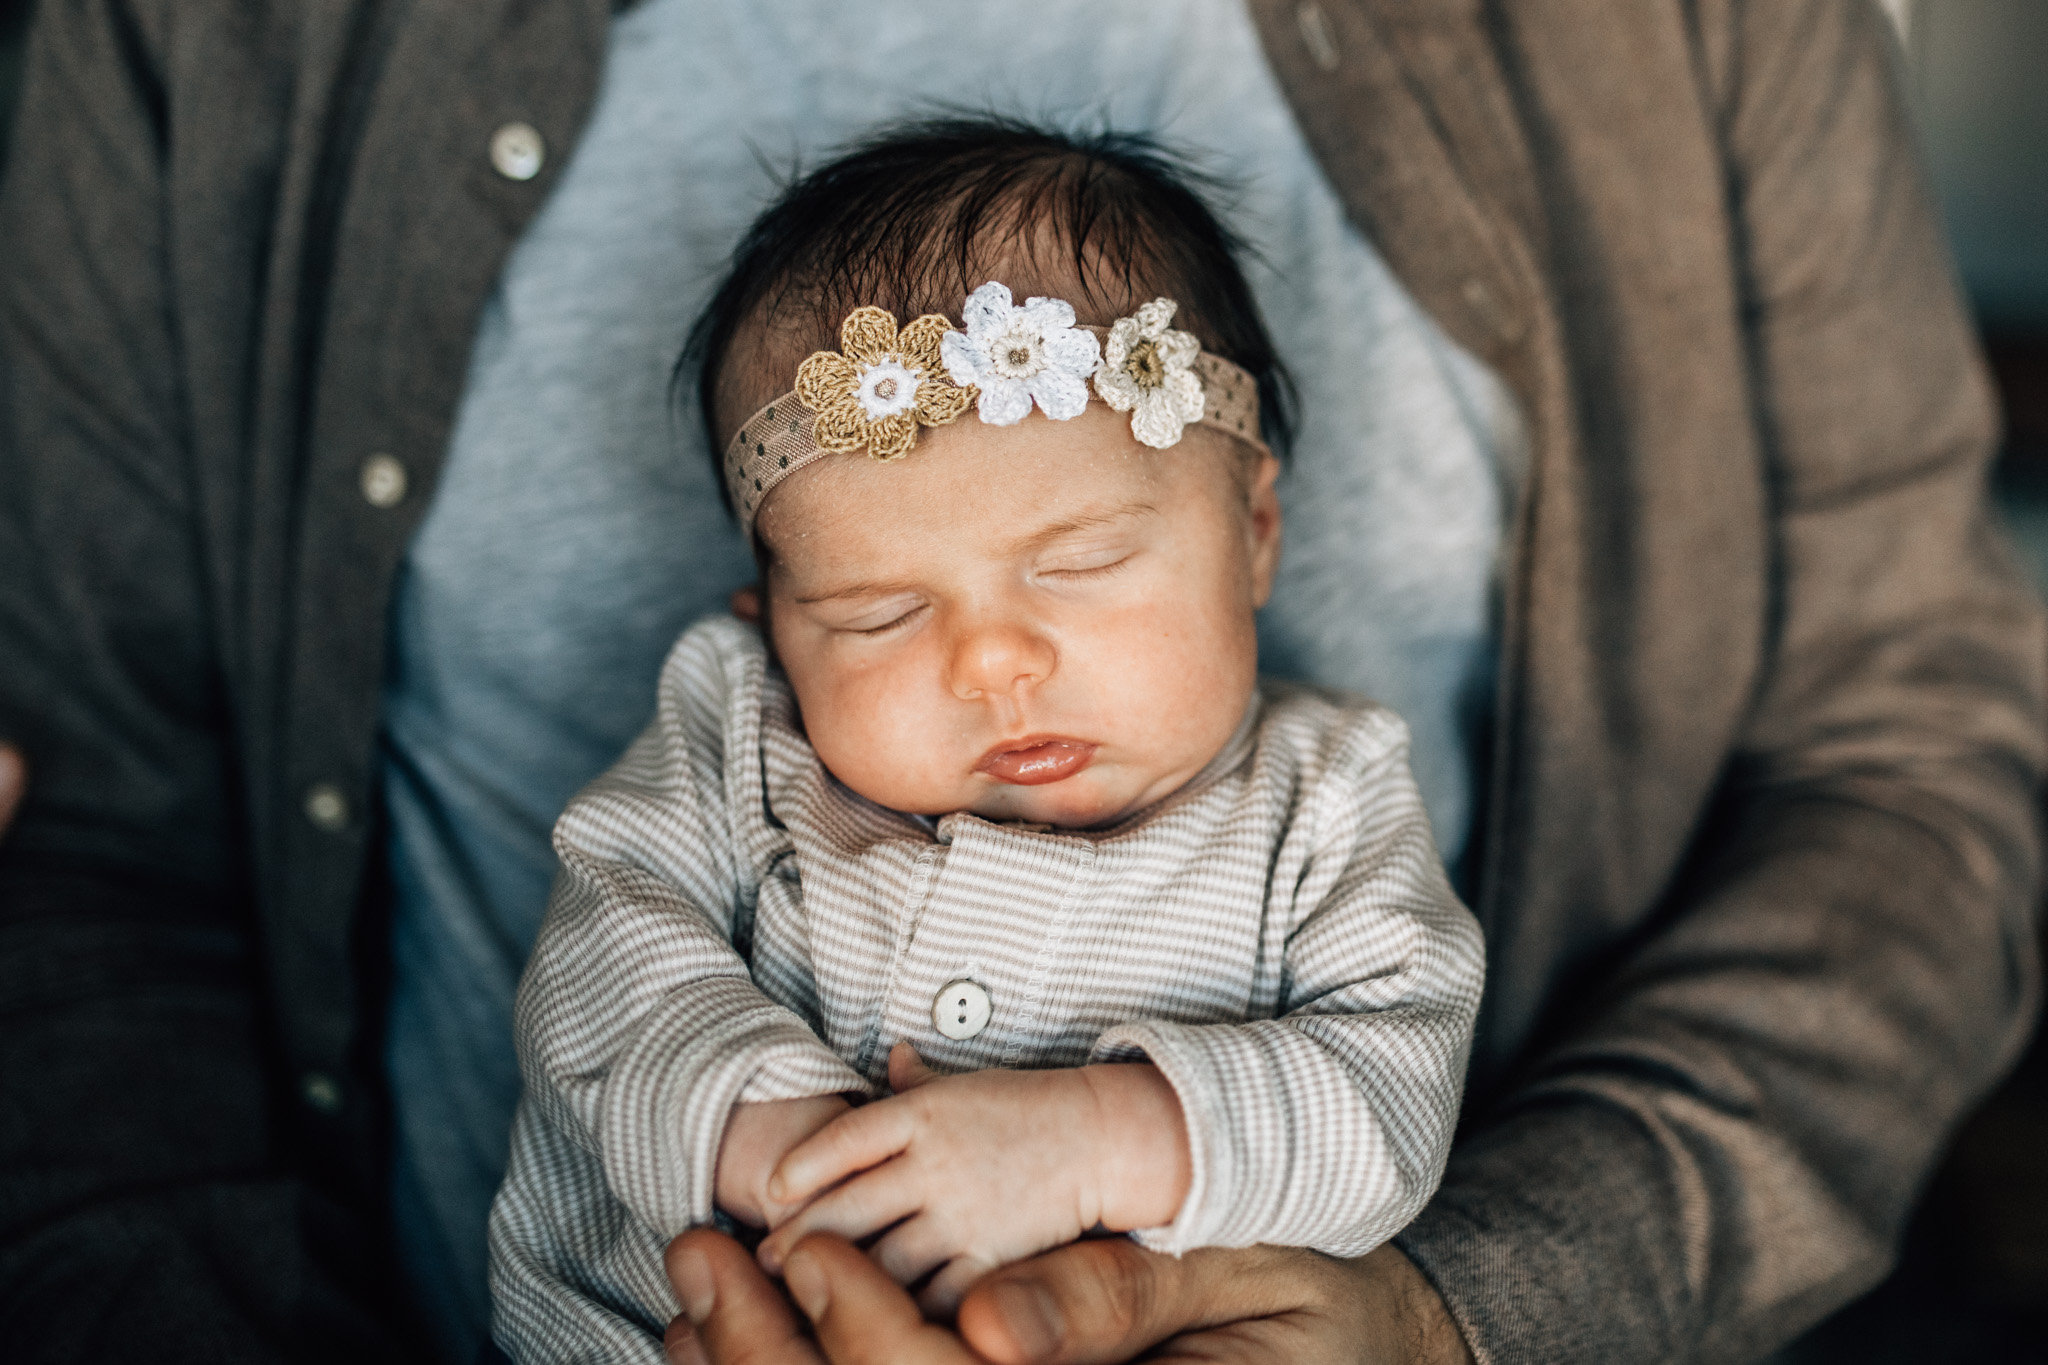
(1036, 761)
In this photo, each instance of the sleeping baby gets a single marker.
(969, 892)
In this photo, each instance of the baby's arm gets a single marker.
(1328, 1127)
(757, 1137)
(638, 1022)
(978, 1170)
(640, 1030)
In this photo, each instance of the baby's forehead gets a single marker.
(987, 492)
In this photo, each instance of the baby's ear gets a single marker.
(1263, 527)
(746, 603)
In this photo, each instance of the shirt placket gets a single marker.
(990, 931)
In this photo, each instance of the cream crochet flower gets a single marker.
(1151, 369)
(1018, 356)
(881, 385)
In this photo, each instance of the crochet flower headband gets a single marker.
(882, 384)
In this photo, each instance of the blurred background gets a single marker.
(1974, 1282)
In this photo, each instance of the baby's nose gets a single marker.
(999, 660)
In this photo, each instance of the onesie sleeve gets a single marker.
(638, 1024)
(1329, 1126)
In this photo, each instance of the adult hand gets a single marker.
(13, 782)
(1096, 1301)
(1111, 1299)
(736, 1316)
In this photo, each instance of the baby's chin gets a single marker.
(1101, 794)
(1083, 801)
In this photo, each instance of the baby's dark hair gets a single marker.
(915, 216)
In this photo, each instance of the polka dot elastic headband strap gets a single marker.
(882, 384)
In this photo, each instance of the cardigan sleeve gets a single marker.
(1328, 1126)
(1722, 1139)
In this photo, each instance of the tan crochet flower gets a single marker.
(881, 384)
(1149, 367)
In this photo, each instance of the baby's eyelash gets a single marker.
(891, 626)
(1098, 571)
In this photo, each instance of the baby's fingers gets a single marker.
(852, 1142)
(860, 1208)
(907, 1070)
(914, 1248)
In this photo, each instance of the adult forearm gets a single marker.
(1726, 1146)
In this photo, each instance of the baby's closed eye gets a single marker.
(1081, 564)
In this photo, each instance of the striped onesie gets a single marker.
(730, 924)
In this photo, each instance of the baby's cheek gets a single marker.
(1186, 670)
(884, 737)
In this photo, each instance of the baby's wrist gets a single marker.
(1144, 1164)
(757, 1136)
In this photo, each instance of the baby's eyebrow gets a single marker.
(1083, 521)
(853, 590)
(1044, 535)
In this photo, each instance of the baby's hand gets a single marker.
(982, 1169)
(758, 1136)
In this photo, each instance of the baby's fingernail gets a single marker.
(769, 1254)
(693, 1283)
(778, 1189)
(807, 1284)
(1033, 1316)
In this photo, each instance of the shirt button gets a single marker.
(383, 481)
(326, 807)
(321, 1092)
(518, 151)
(961, 1010)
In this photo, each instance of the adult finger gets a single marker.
(679, 1345)
(737, 1315)
(854, 1141)
(1383, 1312)
(859, 1208)
(13, 783)
(1106, 1300)
(860, 1315)
(1283, 1340)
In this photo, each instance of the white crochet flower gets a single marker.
(1018, 356)
(886, 388)
(1151, 369)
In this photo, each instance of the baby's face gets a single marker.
(1045, 622)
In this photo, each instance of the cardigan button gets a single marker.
(383, 481)
(326, 807)
(518, 152)
(961, 1010)
(321, 1092)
